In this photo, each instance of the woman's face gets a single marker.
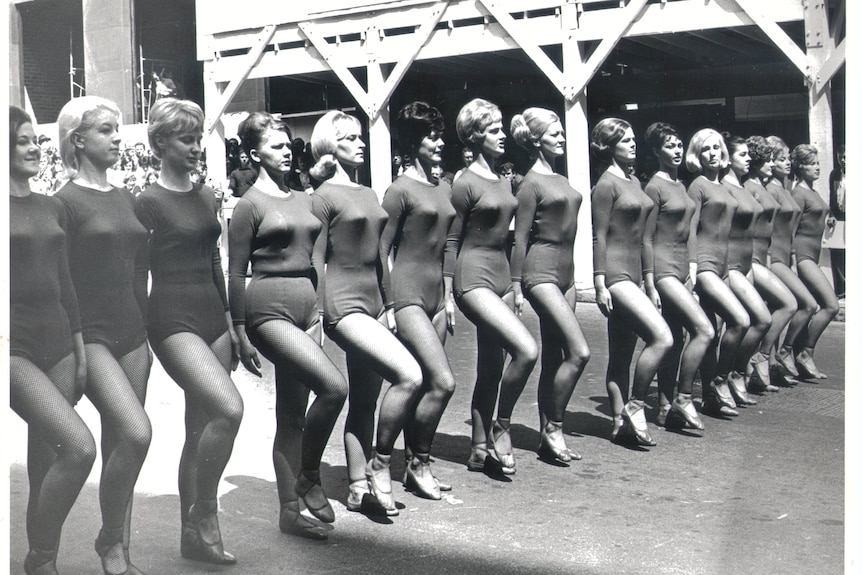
(351, 149)
(552, 144)
(182, 150)
(764, 172)
(710, 153)
(274, 153)
(811, 171)
(494, 140)
(740, 160)
(625, 152)
(430, 150)
(781, 164)
(100, 143)
(670, 154)
(25, 154)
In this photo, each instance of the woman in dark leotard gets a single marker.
(484, 206)
(714, 207)
(780, 256)
(620, 210)
(739, 260)
(356, 293)
(108, 262)
(275, 229)
(806, 241)
(420, 214)
(543, 263)
(780, 300)
(667, 233)
(189, 322)
(47, 361)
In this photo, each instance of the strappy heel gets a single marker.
(633, 414)
(505, 456)
(552, 444)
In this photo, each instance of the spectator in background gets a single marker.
(466, 159)
(243, 177)
(836, 208)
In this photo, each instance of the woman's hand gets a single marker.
(390, 320)
(450, 313)
(654, 297)
(519, 297)
(236, 352)
(604, 300)
(321, 336)
(80, 367)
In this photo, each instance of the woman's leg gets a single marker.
(717, 298)
(761, 319)
(818, 285)
(806, 305)
(43, 400)
(780, 299)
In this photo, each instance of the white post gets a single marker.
(378, 128)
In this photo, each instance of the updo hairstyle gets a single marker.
(473, 119)
(528, 128)
(324, 142)
(605, 136)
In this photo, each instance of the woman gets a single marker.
(780, 300)
(714, 208)
(780, 258)
(189, 322)
(47, 361)
(275, 229)
(357, 308)
(666, 241)
(484, 206)
(108, 262)
(543, 263)
(420, 214)
(837, 197)
(620, 210)
(805, 167)
(739, 260)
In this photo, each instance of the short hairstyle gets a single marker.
(253, 128)
(170, 116)
(695, 146)
(77, 116)
(657, 134)
(324, 142)
(802, 155)
(17, 118)
(733, 142)
(415, 121)
(528, 127)
(473, 119)
(760, 150)
(605, 136)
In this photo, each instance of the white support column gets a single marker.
(378, 124)
(214, 137)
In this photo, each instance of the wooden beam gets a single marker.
(252, 60)
(334, 63)
(633, 10)
(829, 68)
(380, 140)
(779, 37)
(838, 19)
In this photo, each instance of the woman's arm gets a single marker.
(243, 228)
(528, 198)
(602, 207)
(648, 253)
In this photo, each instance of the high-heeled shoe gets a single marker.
(478, 455)
(736, 383)
(717, 399)
(760, 371)
(311, 492)
(633, 414)
(787, 362)
(552, 444)
(500, 434)
(201, 537)
(758, 385)
(380, 482)
(683, 406)
(420, 480)
(109, 547)
(40, 562)
(806, 367)
(292, 522)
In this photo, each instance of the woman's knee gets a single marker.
(580, 356)
(527, 352)
(663, 339)
(703, 332)
(443, 384)
(232, 411)
(81, 450)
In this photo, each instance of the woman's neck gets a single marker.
(732, 178)
(543, 166)
(711, 175)
(346, 176)
(268, 184)
(482, 166)
(19, 185)
(419, 171)
(91, 176)
(670, 174)
(618, 170)
(174, 179)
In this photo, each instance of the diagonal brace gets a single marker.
(754, 9)
(331, 58)
(831, 66)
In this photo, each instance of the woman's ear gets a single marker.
(77, 140)
(160, 142)
(254, 155)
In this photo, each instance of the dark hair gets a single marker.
(17, 118)
(605, 136)
(252, 129)
(655, 137)
(415, 121)
(802, 155)
(760, 151)
(733, 142)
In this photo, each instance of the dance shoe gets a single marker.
(312, 494)
(737, 387)
(201, 537)
(380, 483)
(292, 522)
(552, 444)
(502, 444)
(683, 406)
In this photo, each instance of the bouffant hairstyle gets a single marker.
(760, 150)
(253, 128)
(170, 116)
(324, 142)
(778, 145)
(17, 118)
(528, 127)
(605, 136)
(655, 137)
(802, 155)
(416, 121)
(76, 117)
(695, 146)
(473, 119)
(732, 142)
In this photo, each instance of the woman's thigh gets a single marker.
(369, 340)
(633, 306)
(678, 302)
(818, 285)
(492, 315)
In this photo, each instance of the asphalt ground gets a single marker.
(762, 493)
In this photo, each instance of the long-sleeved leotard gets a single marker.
(764, 222)
(43, 304)
(741, 239)
(545, 226)
(619, 209)
(188, 292)
(357, 280)
(108, 262)
(669, 227)
(478, 236)
(784, 224)
(420, 215)
(809, 232)
(277, 235)
(714, 209)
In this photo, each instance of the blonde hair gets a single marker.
(170, 116)
(692, 152)
(324, 142)
(76, 117)
(473, 119)
(527, 128)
